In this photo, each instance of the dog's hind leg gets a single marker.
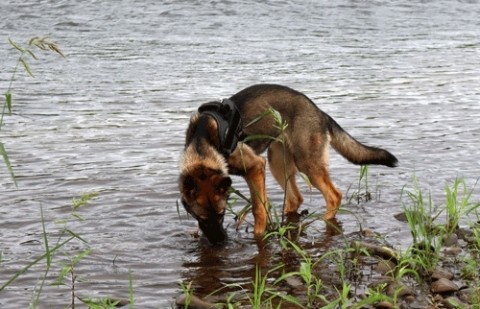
(321, 180)
(314, 163)
(245, 162)
(284, 171)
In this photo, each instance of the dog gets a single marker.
(227, 138)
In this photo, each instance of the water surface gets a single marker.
(110, 118)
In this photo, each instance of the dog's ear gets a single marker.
(187, 184)
(224, 185)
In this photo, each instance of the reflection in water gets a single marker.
(213, 268)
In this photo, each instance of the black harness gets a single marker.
(229, 123)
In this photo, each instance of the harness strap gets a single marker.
(229, 123)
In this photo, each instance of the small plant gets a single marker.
(363, 176)
(427, 238)
(42, 43)
(458, 203)
(306, 274)
(187, 290)
(68, 269)
(263, 295)
(362, 193)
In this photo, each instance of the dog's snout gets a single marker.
(213, 230)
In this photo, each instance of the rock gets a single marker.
(453, 302)
(452, 251)
(465, 234)
(383, 252)
(443, 285)
(384, 280)
(398, 289)
(294, 282)
(196, 303)
(384, 267)
(450, 240)
(402, 217)
(468, 294)
(369, 233)
(439, 273)
(410, 299)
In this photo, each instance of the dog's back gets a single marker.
(303, 118)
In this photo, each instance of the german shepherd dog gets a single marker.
(218, 144)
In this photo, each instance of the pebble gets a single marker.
(453, 302)
(295, 282)
(450, 240)
(439, 273)
(369, 233)
(398, 289)
(443, 285)
(464, 233)
(452, 251)
(383, 252)
(467, 295)
(384, 267)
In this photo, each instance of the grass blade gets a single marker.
(8, 101)
(34, 262)
(26, 66)
(75, 235)
(14, 44)
(4, 154)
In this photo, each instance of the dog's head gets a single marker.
(204, 195)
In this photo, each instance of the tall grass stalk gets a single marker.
(26, 53)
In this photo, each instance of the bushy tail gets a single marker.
(356, 152)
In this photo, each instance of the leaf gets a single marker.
(4, 154)
(276, 114)
(80, 257)
(259, 117)
(55, 48)
(8, 101)
(306, 179)
(32, 54)
(75, 235)
(78, 216)
(34, 41)
(26, 66)
(18, 47)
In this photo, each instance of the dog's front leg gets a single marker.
(245, 162)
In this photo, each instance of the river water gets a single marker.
(110, 118)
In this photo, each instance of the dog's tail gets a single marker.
(356, 152)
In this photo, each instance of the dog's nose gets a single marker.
(214, 231)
